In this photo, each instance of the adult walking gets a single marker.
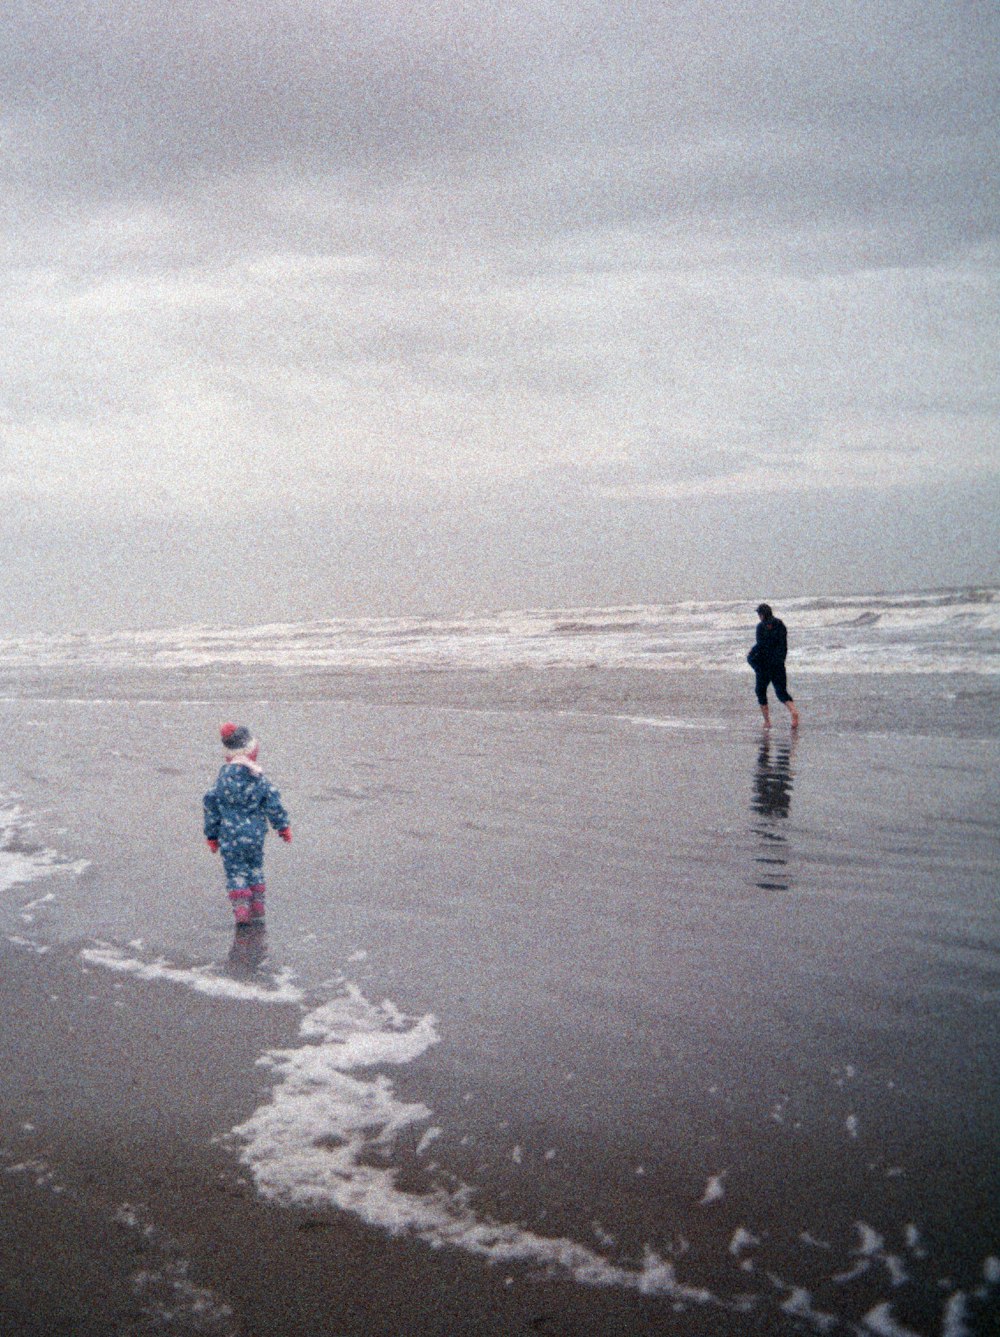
(767, 659)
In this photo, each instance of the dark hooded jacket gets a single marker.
(772, 643)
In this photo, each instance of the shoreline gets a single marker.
(946, 704)
(758, 976)
(124, 1212)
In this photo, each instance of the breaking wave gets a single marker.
(941, 631)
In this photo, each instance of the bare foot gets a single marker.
(795, 717)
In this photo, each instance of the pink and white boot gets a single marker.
(240, 899)
(257, 902)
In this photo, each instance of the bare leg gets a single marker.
(767, 716)
(794, 713)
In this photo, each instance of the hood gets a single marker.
(245, 757)
(237, 785)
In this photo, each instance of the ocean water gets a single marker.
(593, 975)
(937, 632)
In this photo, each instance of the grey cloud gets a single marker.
(148, 93)
(308, 562)
(677, 460)
(456, 283)
(593, 113)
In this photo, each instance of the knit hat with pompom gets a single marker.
(236, 738)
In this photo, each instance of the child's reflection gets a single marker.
(248, 951)
(772, 798)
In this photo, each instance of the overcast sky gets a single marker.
(313, 307)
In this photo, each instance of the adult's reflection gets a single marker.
(772, 800)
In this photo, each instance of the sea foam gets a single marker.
(22, 863)
(201, 979)
(327, 1140)
(937, 631)
(320, 1141)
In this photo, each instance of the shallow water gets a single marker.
(673, 1006)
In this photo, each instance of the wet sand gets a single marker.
(658, 940)
(122, 1215)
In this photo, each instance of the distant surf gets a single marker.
(937, 631)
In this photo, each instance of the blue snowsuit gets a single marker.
(237, 810)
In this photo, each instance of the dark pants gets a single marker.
(774, 677)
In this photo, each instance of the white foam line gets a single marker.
(742, 1239)
(813, 1242)
(39, 901)
(872, 1243)
(880, 1320)
(799, 1305)
(312, 1144)
(165, 1292)
(20, 867)
(17, 869)
(914, 1242)
(38, 1169)
(858, 1270)
(200, 978)
(17, 941)
(714, 1190)
(669, 722)
(955, 1321)
(430, 1136)
(898, 1274)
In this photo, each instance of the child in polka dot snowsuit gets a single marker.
(237, 811)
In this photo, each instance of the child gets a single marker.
(237, 810)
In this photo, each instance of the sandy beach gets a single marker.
(487, 406)
(687, 1028)
(121, 1215)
